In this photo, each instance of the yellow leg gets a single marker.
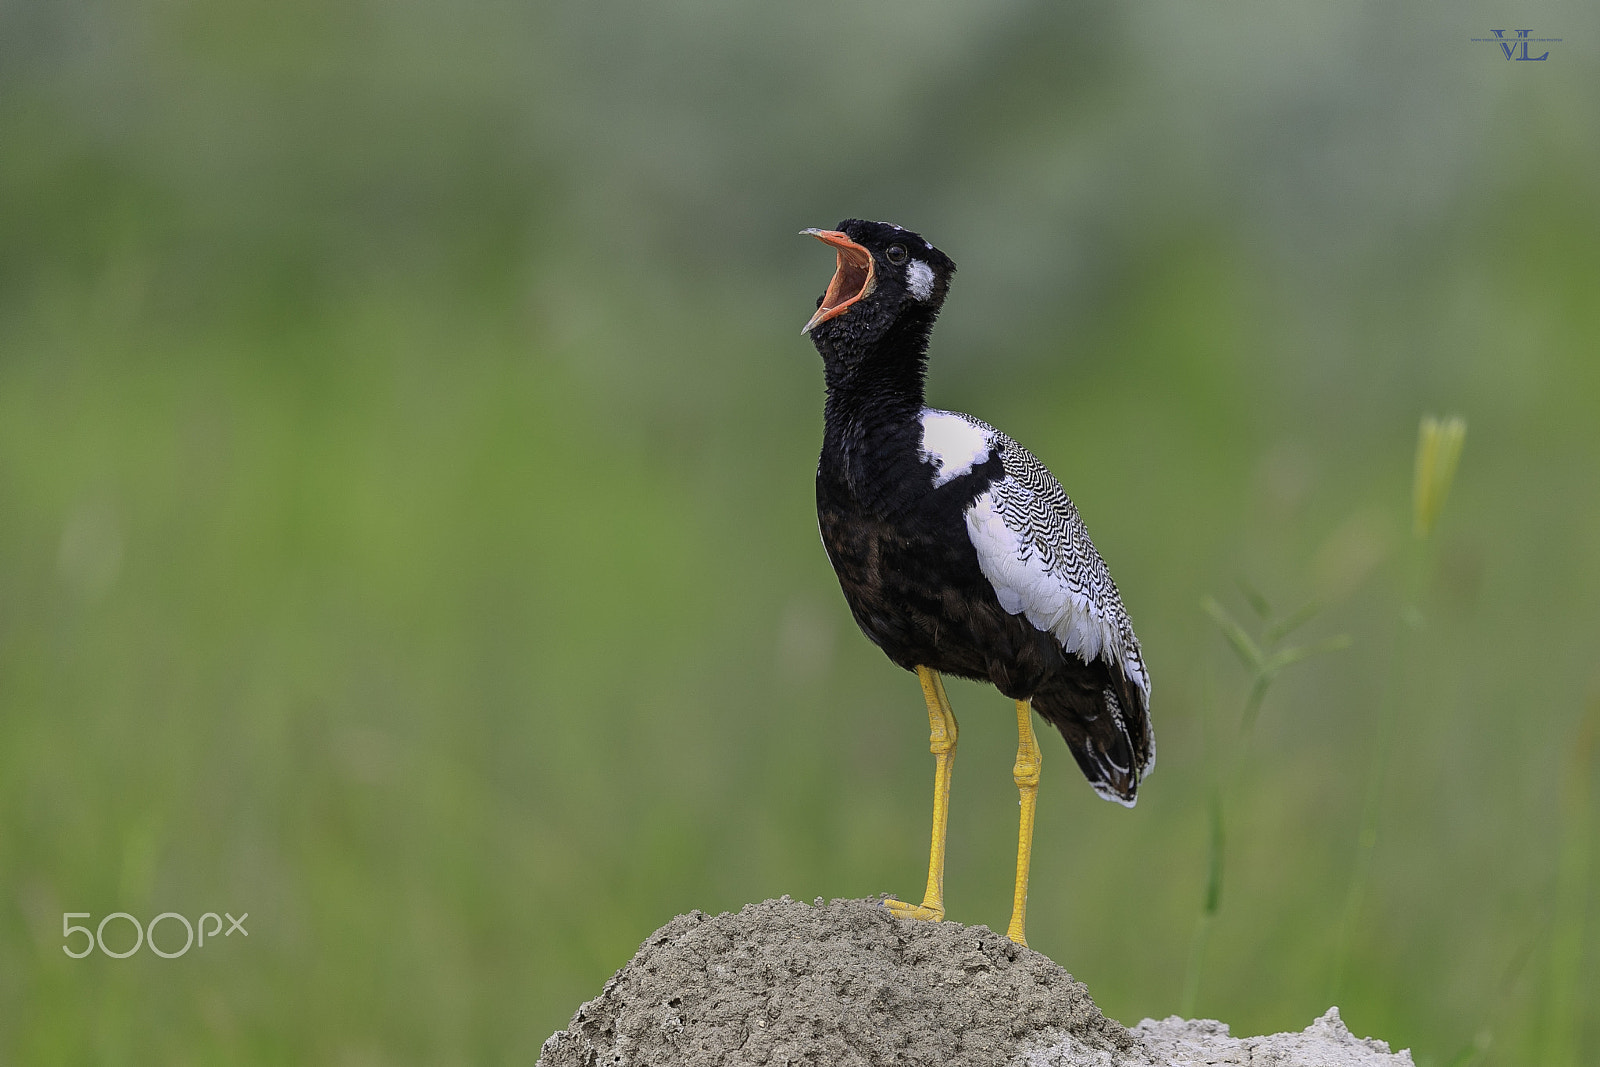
(942, 743)
(1026, 774)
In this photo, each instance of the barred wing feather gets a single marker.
(1035, 551)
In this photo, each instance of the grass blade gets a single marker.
(1242, 643)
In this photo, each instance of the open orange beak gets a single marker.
(852, 279)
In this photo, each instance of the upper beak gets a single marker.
(852, 279)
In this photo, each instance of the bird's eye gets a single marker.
(896, 254)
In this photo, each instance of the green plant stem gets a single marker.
(1378, 770)
(1264, 660)
(1213, 892)
(1209, 906)
(1562, 1019)
(1252, 710)
(1211, 903)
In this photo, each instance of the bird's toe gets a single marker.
(902, 910)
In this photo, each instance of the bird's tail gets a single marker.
(1105, 720)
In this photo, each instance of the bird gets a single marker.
(957, 550)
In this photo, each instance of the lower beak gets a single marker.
(853, 276)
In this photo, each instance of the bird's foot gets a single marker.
(924, 911)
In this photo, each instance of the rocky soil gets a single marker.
(845, 983)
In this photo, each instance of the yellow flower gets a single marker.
(1438, 449)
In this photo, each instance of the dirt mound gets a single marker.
(846, 983)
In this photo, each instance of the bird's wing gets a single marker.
(1033, 548)
(1035, 551)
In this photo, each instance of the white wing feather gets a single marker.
(1035, 551)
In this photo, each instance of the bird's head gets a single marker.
(885, 275)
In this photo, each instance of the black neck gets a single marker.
(871, 421)
(877, 383)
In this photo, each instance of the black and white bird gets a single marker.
(958, 552)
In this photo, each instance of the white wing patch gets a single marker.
(1033, 548)
(1026, 585)
(953, 445)
(919, 279)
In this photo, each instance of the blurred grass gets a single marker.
(1263, 657)
(406, 527)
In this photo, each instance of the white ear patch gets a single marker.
(919, 278)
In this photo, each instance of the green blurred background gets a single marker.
(406, 523)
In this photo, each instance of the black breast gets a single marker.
(911, 577)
